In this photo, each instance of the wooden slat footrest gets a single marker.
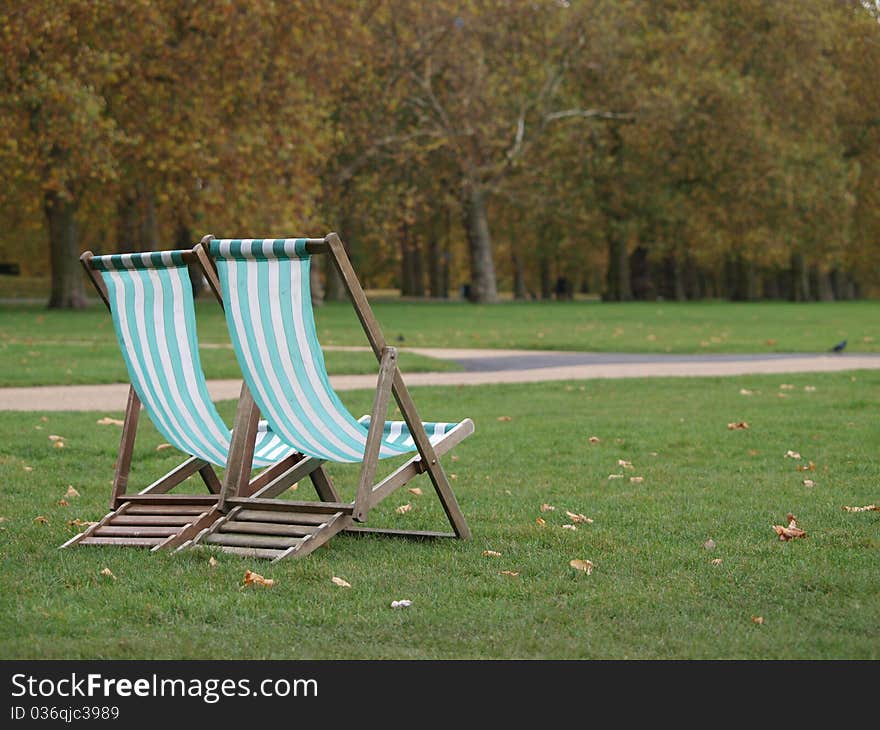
(168, 509)
(289, 505)
(290, 518)
(145, 520)
(125, 541)
(112, 530)
(268, 528)
(264, 553)
(277, 542)
(171, 499)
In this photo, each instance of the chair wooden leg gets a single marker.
(126, 447)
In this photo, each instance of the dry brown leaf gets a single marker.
(770, 342)
(637, 480)
(63, 503)
(810, 388)
(547, 507)
(162, 447)
(746, 391)
(594, 439)
(491, 554)
(791, 531)
(41, 519)
(786, 386)
(809, 483)
(569, 527)
(759, 620)
(403, 509)
(341, 582)
(453, 476)
(504, 418)
(454, 457)
(716, 561)
(71, 492)
(55, 437)
(584, 565)
(866, 508)
(511, 573)
(416, 491)
(709, 544)
(107, 421)
(806, 467)
(615, 476)
(625, 464)
(212, 562)
(58, 445)
(578, 518)
(792, 454)
(782, 395)
(108, 573)
(541, 521)
(251, 578)
(80, 523)
(738, 426)
(28, 468)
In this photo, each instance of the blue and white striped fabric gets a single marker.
(154, 316)
(265, 287)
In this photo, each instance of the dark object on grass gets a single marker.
(839, 346)
(401, 338)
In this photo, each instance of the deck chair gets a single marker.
(265, 286)
(150, 298)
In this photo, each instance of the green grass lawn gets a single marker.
(654, 592)
(42, 347)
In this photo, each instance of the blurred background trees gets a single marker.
(485, 148)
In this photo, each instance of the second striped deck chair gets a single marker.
(265, 287)
(151, 301)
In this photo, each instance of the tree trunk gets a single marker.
(800, 279)
(617, 285)
(519, 279)
(196, 277)
(68, 291)
(418, 269)
(407, 263)
(483, 284)
(438, 263)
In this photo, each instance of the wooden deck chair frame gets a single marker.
(340, 515)
(189, 514)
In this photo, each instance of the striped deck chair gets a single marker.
(265, 286)
(150, 298)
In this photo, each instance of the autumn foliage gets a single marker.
(547, 148)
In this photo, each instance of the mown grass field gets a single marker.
(42, 347)
(657, 590)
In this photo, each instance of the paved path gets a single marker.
(483, 367)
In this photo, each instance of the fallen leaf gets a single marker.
(403, 603)
(716, 561)
(511, 573)
(615, 476)
(782, 395)
(709, 544)
(504, 418)
(547, 507)
(746, 391)
(792, 454)
(403, 509)
(341, 582)
(806, 467)
(791, 531)
(758, 620)
(866, 508)
(41, 519)
(541, 522)
(212, 562)
(108, 573)
(625, 464)
(251, 578)
(809, 483)
(578, 518)
(810, 388)
(491, 554)
(595, 440)
(55, 437)
(416, 491)
(71, 492)
(454, 457)
(107, 421)
(786, 386)
(584, 565)
(80, 523)
(58, 445)
(162, 447)
(28, 468)
(569, 527)
(453, 476)
(637, 480)
(63, 503)
(770, 342)
(737, 426)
